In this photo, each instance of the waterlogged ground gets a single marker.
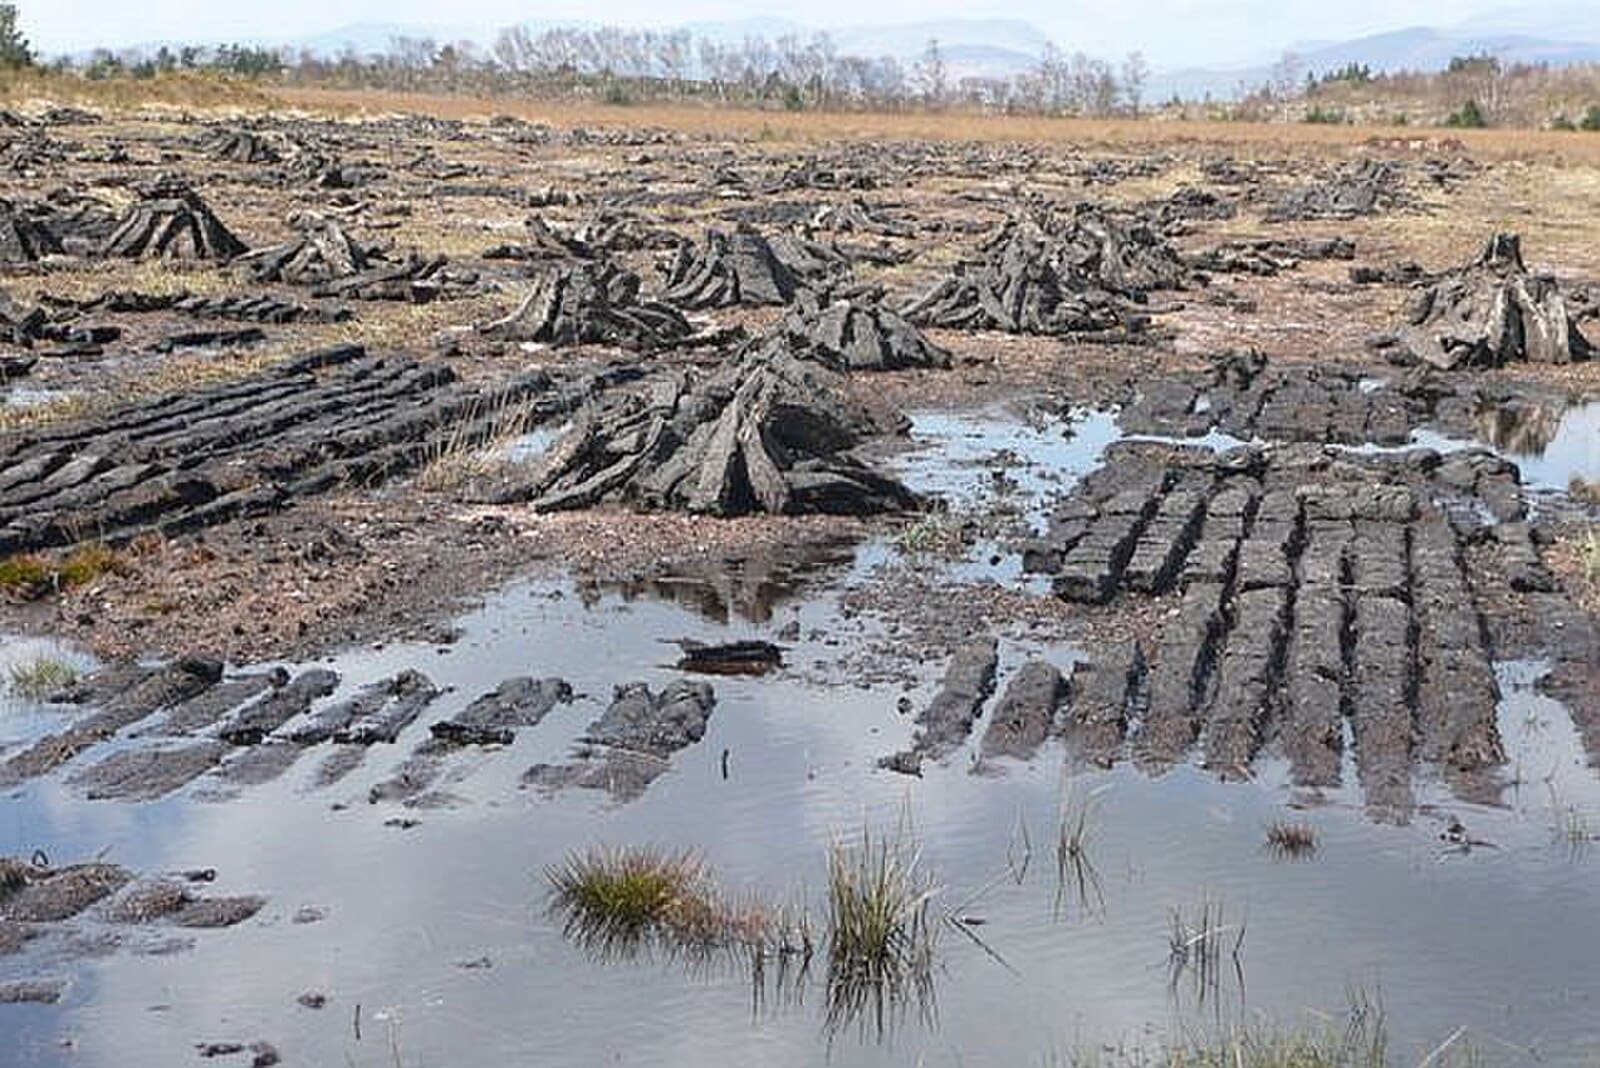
(425, 933)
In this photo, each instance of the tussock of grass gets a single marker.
(1292, 841)
(88, 562)
(933, 535)
(881, 936)
(617, 902)
(1356, 1038)
(474, 445)
(616, 899)
(32, 575)
(40, 678)
(23, 573)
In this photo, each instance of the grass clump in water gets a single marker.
(881, 934)
(616, 902)
(1289, 840)
(1076, 875)
(40, 678)
(617, 899)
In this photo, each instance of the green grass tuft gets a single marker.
(619, 899)
(40, 678)
(881, 936)
(31, 575)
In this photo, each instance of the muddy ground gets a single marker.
(303, 385)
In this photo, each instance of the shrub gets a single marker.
(30, 575)
(1468, 116)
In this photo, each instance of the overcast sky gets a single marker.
(1170, 32)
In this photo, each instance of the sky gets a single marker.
(1172, 33)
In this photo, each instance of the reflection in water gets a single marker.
(1552, 445)
(748, 588)
(1204, 959)
(1520, 426)
(1077, 878)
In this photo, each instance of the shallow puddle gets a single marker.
(1550, 449)
(1553, 457)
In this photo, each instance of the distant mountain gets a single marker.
(998, 36)
(368, 37)
(735, 31)
(1558, 20)
(1418, 48)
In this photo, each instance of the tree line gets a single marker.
(623, 66)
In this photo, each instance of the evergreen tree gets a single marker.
(15, 52)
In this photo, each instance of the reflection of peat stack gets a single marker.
(170, 221)
(854, 335)
(24, 239)
(765, 432)
(591, 304)
(320, 252)
(743, 267)
(1493, 312)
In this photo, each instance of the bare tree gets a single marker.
(1135, 72)
(932, 76)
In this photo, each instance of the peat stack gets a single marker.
(414, 280)
(23, 238)
(1020, 288)
(542, 243)
(319, 253)
(765, 432)
(857, 216)
(1353, 191)
(170, 221)
(607, 231)
(857, 335)
(239, 146)
(1122, 253)
(744, 267)
(591, 304)
(1491, 313)
(81, 223)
